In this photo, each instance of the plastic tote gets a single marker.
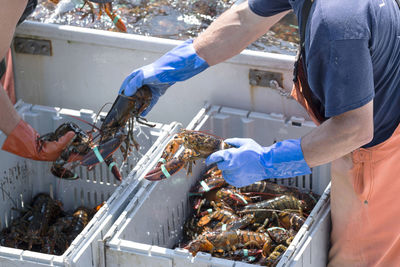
(22, 179)
(151, 224)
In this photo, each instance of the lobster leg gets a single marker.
(115, 18)
(63, 173)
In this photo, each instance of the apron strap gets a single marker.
(305, 12)
(302, 91)
(2, 67)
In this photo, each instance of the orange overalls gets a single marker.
(364, 194)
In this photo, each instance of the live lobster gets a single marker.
(197, 145)
(87, 150)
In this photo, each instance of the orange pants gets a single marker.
(365, 202)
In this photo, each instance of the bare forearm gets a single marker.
(232, 32)
(338, 136)
(9, 117)
(10, 13)
(9, 16)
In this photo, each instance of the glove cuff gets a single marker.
(179, 64)
(285, 159)
(22, 141)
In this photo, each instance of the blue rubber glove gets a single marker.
(179, 64)
(249, 162)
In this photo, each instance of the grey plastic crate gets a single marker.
(152, 222)
(21, 179)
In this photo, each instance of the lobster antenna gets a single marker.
(101, 109)
(84, 121)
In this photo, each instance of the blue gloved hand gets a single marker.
(249, 162)
(179, 64)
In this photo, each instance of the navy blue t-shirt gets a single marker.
(352, 56)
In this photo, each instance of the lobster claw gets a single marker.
(112, 166)
(63, 173)
(124, 107)
(103, 151)
(163, 171)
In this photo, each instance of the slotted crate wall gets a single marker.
(22, 179)
(152, 222)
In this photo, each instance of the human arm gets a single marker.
(339, 136)
(225, 37)
(21, 137)
(249, 162)
(8, 20)
(232, 32)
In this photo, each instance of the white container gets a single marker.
(22, 179)
(151, 224)
(87, 67)
(314, 246)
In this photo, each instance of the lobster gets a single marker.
(280, 235)
(81, 218)
(222, 215)
(274, 257)
(208, 184)
(291, 220)
(232, 197)
(108, 9)
(30, 229)
(198, 145)
(44, 210)
(239, 223)
(88, 151)
(268, 208)
(125, 110)
(270, 190)
(220, 242)
(57, 240)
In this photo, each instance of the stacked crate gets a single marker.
(151, 224)
(22, 179)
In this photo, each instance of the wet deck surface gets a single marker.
(173, 19)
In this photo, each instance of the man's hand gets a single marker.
(23, 141)
(249, 162)
(179, 64)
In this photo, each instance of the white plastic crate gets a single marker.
(314, 241)
(152, 222)
(22, 179)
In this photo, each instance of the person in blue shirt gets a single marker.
(347, 77)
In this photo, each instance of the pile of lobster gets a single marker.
(102, 8)
(45, 227)
(89, 148)
(253, 224)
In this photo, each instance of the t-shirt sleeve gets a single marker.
(343, 78)
(266, 8)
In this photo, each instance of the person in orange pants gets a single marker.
(347, 76)
(21, 137)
